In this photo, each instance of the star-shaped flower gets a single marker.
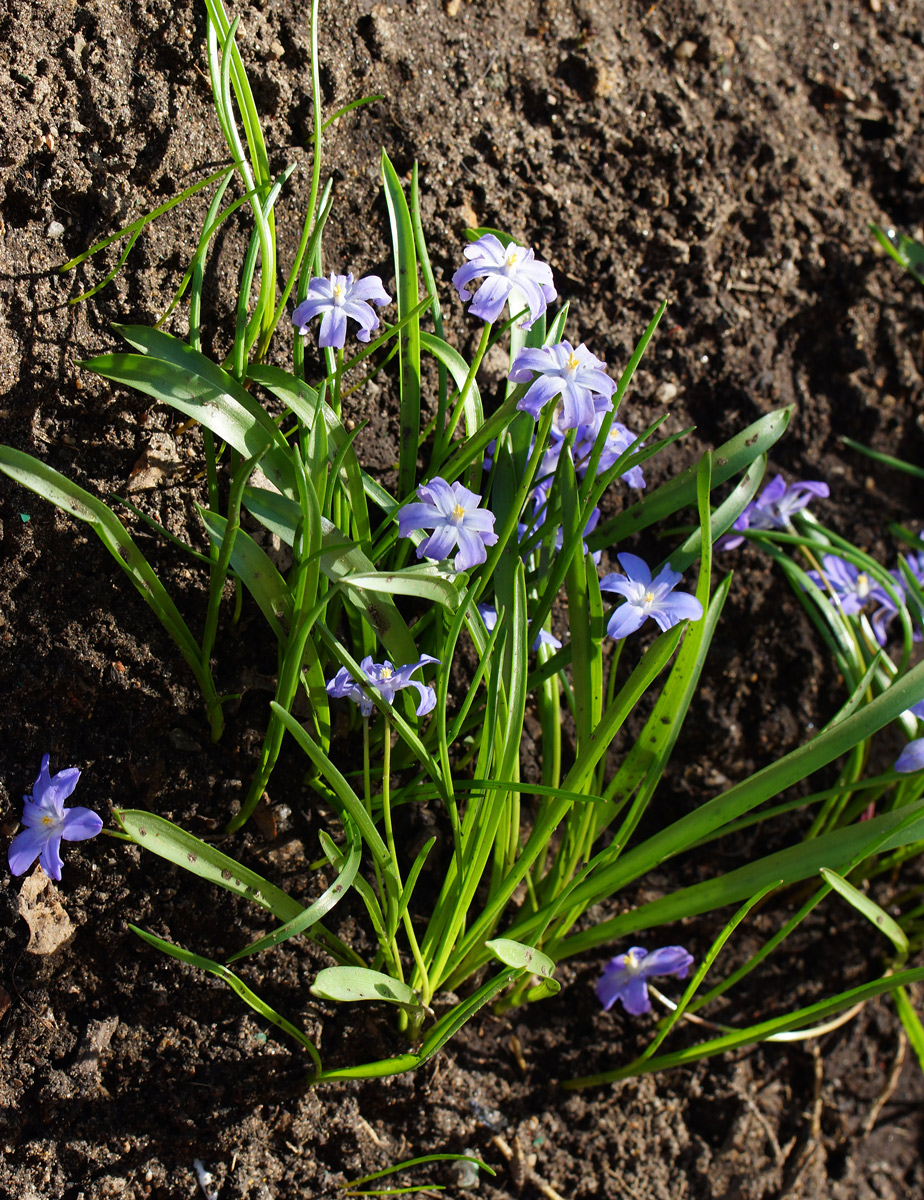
(577, 376)
(338, 298)
(48, 822)
(625, 977)
(387, 679)
(516, 267)
(774, 508)
(647, 597)
(453, 514)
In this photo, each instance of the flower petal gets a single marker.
(25, 849)
(80, 824)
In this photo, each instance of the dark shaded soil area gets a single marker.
(725, 157)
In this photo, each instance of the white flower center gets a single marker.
(49, 820)
(457, 515)
(387, 673)
(648, 599)
(512, 257)
(633, 961)
(862, 586)
(572, 362)
(339, 290)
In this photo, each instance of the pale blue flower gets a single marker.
(338, 298)
(514, 268)
(647, 597)
(452, 512)
(387, 679)
(48, 822)
(852, 587)
(774, 508)
(576, 376)
(625, 977)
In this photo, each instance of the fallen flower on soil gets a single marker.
(48, 823)
(625, 977)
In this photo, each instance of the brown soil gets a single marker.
(725, 157)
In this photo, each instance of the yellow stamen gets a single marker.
(387, 672)
(572, 364)
(458, 513)
(649, 597)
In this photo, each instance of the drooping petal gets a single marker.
(610, 985)
(540, 392)
(472, 550)
(625, 620)
(25, 849)
(490, 298)
(333, 329)
(635, 998)
(50, 858)
(441, 542)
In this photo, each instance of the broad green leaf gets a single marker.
(424, 580)
(169, 841)
(256, 570)
(203, 396)
(359, 983)
(329, 899)
(527, 958)
(60, 491)
(802, 861)
(455, 364)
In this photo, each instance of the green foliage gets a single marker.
(537, 855)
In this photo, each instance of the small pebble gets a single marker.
(685, 50)
(55, 229)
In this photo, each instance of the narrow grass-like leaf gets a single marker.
(257, 572)
(869, 909)
(319, 908)
(407, 286)
(236, 984)
(730, 459)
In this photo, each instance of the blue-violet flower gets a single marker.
(338, 298)
(851, 586)
(647, 597)
(48, 822)
(574, 375)
(625, 977)
(774, 508)
(452, 512)
(911, 758)
(516, 267)
(387, 679)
